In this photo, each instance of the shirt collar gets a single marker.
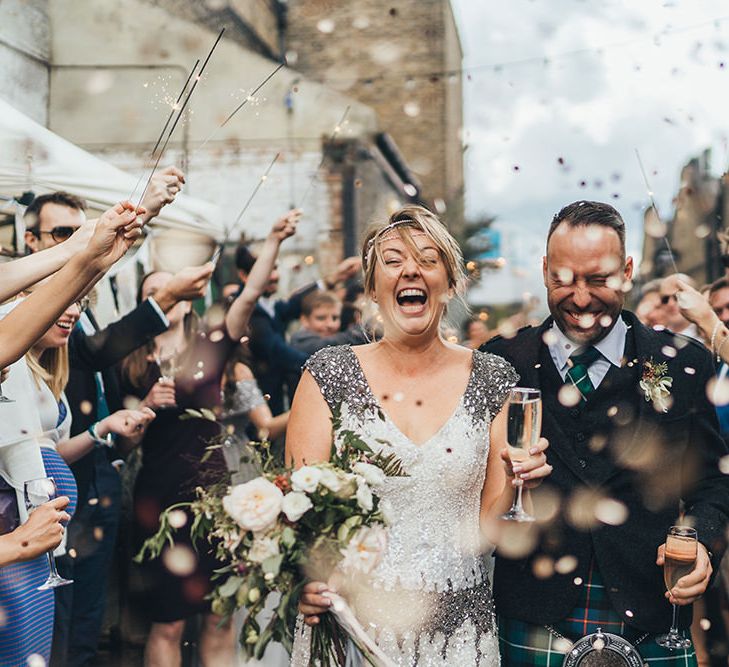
(611, 347)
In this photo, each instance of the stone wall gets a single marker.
(368, 49)
(24, 56)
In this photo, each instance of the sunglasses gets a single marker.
(61, 233)
(665, 298)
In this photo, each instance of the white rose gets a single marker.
(365, 550)
(373, 475)
(364, 497)
(330, 480)
(348, 485)
(254, 505)
(306, 479)
(262, 548)
(386, 510)
(295, 505)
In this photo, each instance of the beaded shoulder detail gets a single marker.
(491, 379)
(341, 380)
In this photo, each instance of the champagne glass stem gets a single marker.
(674, 620)
(518, 503)
(52, 564)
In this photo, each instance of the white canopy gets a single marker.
(34, 158)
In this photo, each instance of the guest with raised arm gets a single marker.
(182, 369)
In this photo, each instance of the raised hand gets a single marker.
(186, 285)
(162, 190)
(115, 232)
(347, 268)
(285, 226)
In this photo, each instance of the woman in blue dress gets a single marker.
(26, 622)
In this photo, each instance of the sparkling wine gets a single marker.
(524, 427)
(680, 558)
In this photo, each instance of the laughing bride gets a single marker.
(438, 407)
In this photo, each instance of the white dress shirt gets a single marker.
(611, 349)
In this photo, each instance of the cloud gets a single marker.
(569, 89)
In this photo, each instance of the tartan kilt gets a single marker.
(528, 645)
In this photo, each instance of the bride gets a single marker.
(438, 407)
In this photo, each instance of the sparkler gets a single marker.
(169, 118)
(337, 129)
(179, 115)
(216, 255)
(248, 98)
(655, 210)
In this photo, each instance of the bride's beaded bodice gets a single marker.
(433, 542)
(433, 573)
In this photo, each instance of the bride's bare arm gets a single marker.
(309, 432)
(501, 480)
(308, 440)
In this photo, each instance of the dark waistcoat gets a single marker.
(585, 451)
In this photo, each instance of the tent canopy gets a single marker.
(34, 158)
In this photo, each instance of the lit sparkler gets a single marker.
(216, 255)
(655, 210)
(179, 114)
(337, 130)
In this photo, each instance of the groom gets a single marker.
(627, 459)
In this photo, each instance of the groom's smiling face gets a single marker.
(585, 274)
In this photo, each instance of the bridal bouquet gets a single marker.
(321, 519)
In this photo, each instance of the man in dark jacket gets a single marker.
(633, 442)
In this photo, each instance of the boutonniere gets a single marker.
(656, 385)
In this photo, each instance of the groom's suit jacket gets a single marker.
(623, 471)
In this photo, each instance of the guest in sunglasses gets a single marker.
(669, 314)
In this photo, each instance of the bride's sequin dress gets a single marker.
(432, 587)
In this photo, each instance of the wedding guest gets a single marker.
(447, 426)
(29, 612)
(173, 449)
(112, 236)
(93, 393)
(654, 455)
(276, 364)
(476, 332)
(320, 322)
(28, 626)
(244, 408)
(669, 313)
(648, 309)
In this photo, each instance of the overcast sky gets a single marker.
(560, 93)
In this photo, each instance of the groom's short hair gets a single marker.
(583, 213)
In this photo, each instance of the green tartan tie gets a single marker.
(577, 373)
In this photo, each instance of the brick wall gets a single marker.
(369, 49)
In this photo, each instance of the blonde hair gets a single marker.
(401, 221)
(51, 367)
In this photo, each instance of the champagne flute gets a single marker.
(679, 560)
(167, 364)
(524, 425)
(38, 492)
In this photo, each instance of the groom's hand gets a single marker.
(692, 586)
(313, 603)
(531, 471)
